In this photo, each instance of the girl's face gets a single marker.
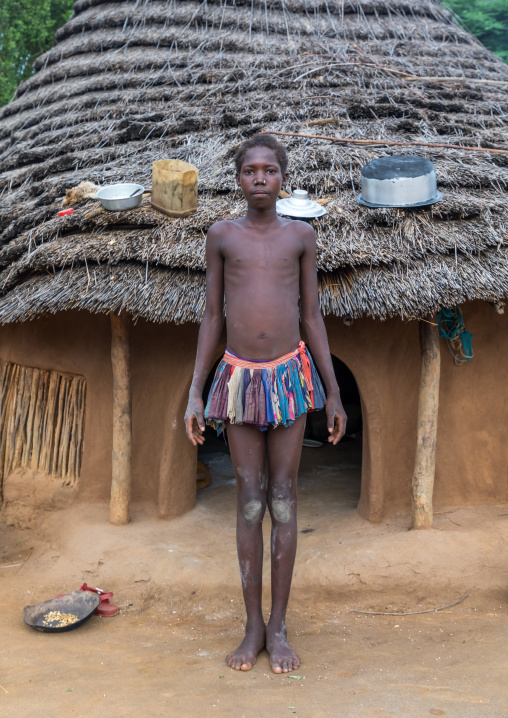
(260, 177)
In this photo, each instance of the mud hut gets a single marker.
(128, 83)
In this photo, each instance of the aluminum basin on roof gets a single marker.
(399, 181)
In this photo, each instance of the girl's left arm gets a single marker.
(315, 333)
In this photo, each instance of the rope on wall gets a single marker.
(459, 341)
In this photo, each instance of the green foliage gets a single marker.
(26, 31)
(487, 19)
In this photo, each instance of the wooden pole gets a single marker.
(122, 420)
(426, 432)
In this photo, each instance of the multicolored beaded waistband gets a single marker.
(234, 360)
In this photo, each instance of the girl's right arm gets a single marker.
(209, 334)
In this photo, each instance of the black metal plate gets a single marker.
(80, 603)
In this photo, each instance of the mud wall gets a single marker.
(472, 451)
(162, 359)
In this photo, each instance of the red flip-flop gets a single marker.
(105, 608)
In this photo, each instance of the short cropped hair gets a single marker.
(262, 140)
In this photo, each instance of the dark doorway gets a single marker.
(317, 428)
(330, 476)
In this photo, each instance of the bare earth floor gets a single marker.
(181, 610)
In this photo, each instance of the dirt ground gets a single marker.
(181, 611)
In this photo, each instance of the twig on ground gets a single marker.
(26, 559)
(410, 613)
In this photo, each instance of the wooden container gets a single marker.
(174, 187)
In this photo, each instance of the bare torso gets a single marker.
(262, 287)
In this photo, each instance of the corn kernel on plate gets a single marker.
(61, 614)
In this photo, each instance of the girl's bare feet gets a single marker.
(282, 657)
(245, 655)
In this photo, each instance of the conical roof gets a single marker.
(128, 83)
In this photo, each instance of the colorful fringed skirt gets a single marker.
(272, 393)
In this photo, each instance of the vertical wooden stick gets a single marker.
(426, 432)
(5, 374)
(81, 427)
(11, 422)
(122, 420)
(40, 408)
(58, 428)
(27, 453)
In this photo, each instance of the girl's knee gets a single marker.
(253, 511)
(282, 499)
(282, 510)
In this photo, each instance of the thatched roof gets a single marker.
(128, 83)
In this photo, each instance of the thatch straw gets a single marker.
(128, 83)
